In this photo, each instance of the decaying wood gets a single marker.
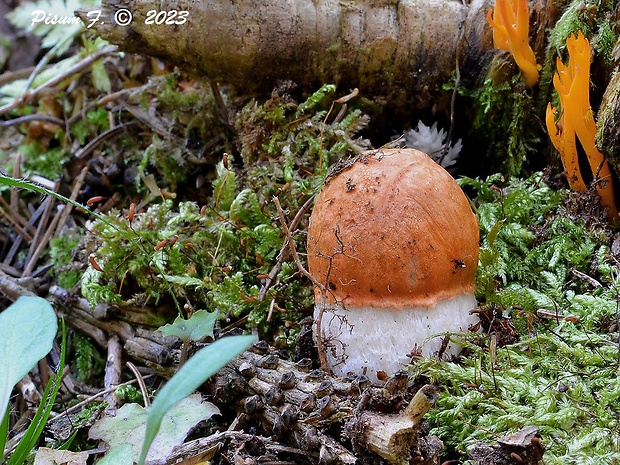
(202, 449)
(112, 376)
(146, 346)
(13, 288)
(523, 447)
(391, 436)
(609, 119)
(300, 406)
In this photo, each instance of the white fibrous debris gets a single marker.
(433, 142)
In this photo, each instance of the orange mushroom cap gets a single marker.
(394, 230)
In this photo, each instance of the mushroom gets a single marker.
(510, 20)
(393, 250)
(572, 83)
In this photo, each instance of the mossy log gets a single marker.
(609, 121)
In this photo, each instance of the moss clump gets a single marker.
(561, 375)
(218, 256)
(44, 161)
(593, 21)
(87, 364)
(526, 233)
(504, 110)
(62, 250)
(605, 41)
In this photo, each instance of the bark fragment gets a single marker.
(522, 447)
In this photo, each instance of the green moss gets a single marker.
(169, 161)
(197, 132)
(171, 96)
(128, 394)
(572, 21)
(562, 373)
(62, 249)
(526, 237)
(95, 123)
(224, 250)
(87, 364)
(504, 111)
(44, 161)
(605, 41)
(592, 20)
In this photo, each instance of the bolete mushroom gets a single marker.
(393, 248)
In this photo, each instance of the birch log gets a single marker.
(402, 51)
(399, 52)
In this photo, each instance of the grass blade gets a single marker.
(200, 367)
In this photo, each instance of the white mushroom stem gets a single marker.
(378, 340)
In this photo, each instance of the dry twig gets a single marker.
(278, 266)
(78, 67)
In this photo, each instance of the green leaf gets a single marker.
(4, 431)
(100, 77)
(199, 325)
(204, 364)
(27, 331)
(33, 433)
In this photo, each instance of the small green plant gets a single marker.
(197, 327)
(193, 372)
(35, 317)
(174, 412)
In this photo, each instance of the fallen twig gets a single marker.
(80, 66)
(112, 377)
(278, 266)
(292, 247)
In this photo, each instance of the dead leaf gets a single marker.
(129, 425)
(45, 456)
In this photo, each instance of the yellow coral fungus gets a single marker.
(511, 24)
(572, 83)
